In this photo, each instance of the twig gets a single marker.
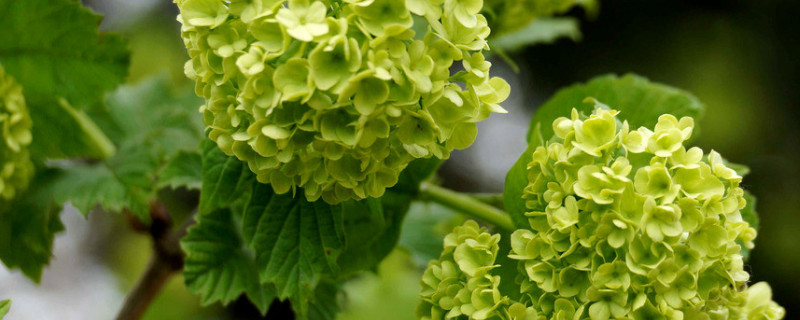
(467, 205)
(167, 260)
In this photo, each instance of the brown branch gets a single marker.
(167, 260)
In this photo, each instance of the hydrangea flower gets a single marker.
(658, 234)
(460, 283)
(16, 167)
(623, 225)
(337, 96)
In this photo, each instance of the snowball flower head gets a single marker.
(16, 167)
(623, 224)
(336, 97)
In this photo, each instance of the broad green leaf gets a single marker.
(507, 269)
(150, 123)
(516, 181)
(5, 305)
(53, 49)
(115, 186)
(372, 226)
(225, 179)
(155, 114)
(183, 169)
(325, 303)
(29, 226)
(539, 31)
(218, 266)
(509, 16)
(296, 242)
(639, 101)
(61, 131)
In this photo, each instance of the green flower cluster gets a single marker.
(624, 224)
(338, 96)
(16, 167)
(511, 15)
(460, 284)
(631, 224)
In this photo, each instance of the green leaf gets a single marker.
(372, 227)
(325, 303)
(639, 101)
(150, 114)
(113, 186)
(539, 31)
(5, 305)
(53, 49)
(183, 169)
(296, 242)
(508, 268)
(156, 114)
(516, 181)
(60, 131)
(225, 179)
(29, 227)
(218, 266)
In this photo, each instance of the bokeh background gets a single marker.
(741, 58)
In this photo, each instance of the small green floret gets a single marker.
(16, 167)
(338, 97)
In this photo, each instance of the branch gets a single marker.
(467, 205)
(167, 260)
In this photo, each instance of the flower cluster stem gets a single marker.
(467, 205)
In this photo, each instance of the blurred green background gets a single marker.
(741, 58)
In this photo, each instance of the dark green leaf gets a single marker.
(539, 31)
(516, 181)
(639, 101)
(508, 268)
(150, 123)
(155, 114)
(86, 186)
(296, 242)
(52, 47)
(225, 179)
(29, 227)
(372, 227)
(184, 169)
(60, 131)
(218, 266)
(325, 304)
